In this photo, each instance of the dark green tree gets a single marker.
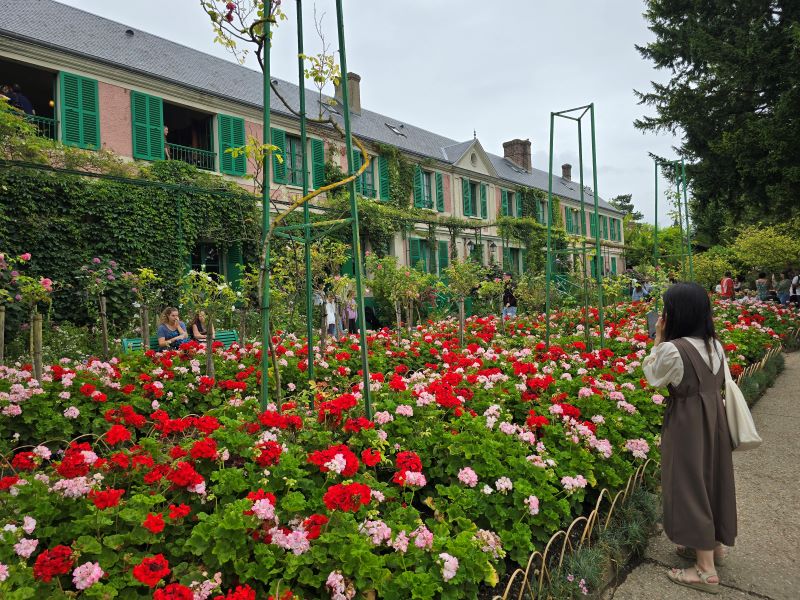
(733, 95)
(624, 203)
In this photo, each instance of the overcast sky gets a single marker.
(457, 66)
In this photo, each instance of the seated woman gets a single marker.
(172, 331)
(198, 326)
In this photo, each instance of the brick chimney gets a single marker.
(518, 152)
(353, 92)
(566, 172)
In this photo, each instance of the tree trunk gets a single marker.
(2, 334)
(36, 335)
(209, 345)
(399, 322)
(104, 326)
(242, 326)
(409, 316)
(145, 326)
(461, 320)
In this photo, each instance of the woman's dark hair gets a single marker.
(687, 313)
(762, 275)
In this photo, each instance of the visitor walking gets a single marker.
(726, 286)
(172, 331)
(762, 287)
(509, 298)
(784, 288)
(637, 295)
(699, 497)
(351, 313)
(330, 315)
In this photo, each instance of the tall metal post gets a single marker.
(582, 232)
(597, 232)
(680, 220)
(265, 170)
(354, 213)
(548, 265)
(655, 229)
(688, 230)
(306, 216)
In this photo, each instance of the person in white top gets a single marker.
(698, 491)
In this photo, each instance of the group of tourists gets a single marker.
(16, 98)
(338, 314)
(782, 289)
(172, 332)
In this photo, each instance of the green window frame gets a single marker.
(231, 135)
(418, 251)
(383, 177)
(613, 265)
(427, 189)
(80, 111)
(604, 222)
(147, 123)
(518, 203)
(443, 255)
(484, 202)
(293, 160)
(568, 219)
(593, 225)
(504, 203)
(439, 192)
(317, 163)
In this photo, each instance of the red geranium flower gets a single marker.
(179, 511)
(313, 526)
(52, 563)
(242, 592)
(184, 475)
(269, 453)
(371, 457)
(8, 481)
(408, 461)
(106, 498)
(117, 434)
(87, 389)
(348, 498)
(151, 570)
(322, 457)
(24, 461)
(154, 523)
(174, 591)
(205, 448)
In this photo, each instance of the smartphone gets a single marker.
(652, 319)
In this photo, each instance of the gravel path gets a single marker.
(766, 560)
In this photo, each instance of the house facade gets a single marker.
(95, 83)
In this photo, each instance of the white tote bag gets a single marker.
(740, 422)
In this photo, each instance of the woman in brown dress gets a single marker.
(698, 491)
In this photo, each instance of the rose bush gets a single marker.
(141, 477)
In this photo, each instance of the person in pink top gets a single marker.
(727, 286)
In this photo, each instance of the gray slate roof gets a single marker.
(51, 24)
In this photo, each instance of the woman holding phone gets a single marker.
(698, 489)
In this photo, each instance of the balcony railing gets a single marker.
(202, 159)
(45, 125)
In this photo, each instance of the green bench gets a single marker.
(226, 336)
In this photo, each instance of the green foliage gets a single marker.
(711, 266)
(732, 92)
(639, 242)
(624, 203)
(766, 247)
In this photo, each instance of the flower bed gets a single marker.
(140, 477)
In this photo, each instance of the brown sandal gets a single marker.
(704, 585)
(691, 554)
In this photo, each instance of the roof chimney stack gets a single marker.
(518, 152)
(566, 172)
(353, 92)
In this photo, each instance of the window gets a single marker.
(206, 257)
(511, 260)
(593, 224)
(80, 111)
(604, 222)
(232, 135)
(368, 179)
(475, 194)
(419, 255)
(423, 196)
(542, 216)
(613, 265)
(504, 203)
(293, 161)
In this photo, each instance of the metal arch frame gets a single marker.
(568, 114)
(306, 227)
(681, 188)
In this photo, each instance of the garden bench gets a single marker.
(226, 336)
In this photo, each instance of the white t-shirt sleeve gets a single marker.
(663, 365)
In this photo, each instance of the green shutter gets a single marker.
(233, 261)
(419, 196)
(439, 193)
(465, 196)
(504, 203)
(613, 265)
(279, 166)
(231, 135)
(593, 225)
(356, 167)
(147, 120)
(80, 111)
(518, 202)
(317, 163)
(383, 176)
(506, 259)
(415, 252)
(524, 260)
(443, 257)
(568, 219)
(484, 207)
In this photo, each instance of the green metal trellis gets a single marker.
(568, 114)
(681, 194)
